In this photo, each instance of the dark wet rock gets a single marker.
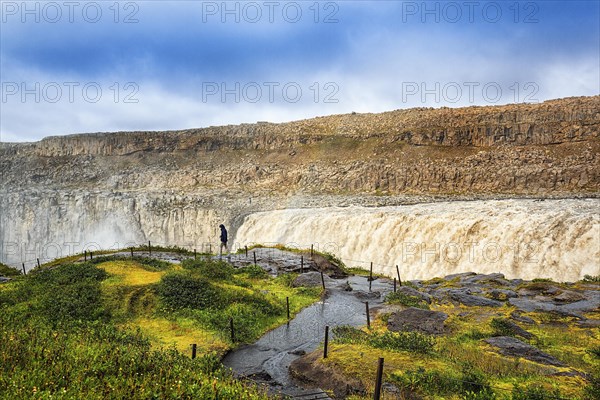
(327, 266)
(591, 303)
(473, 301)
(513, 347)
(409, 291)
(361, 294)
(480, 278)
(310, 279)
(419, 320)
(4, 279)
(298, 352)
(310, 370)
(346, 287)
(569, 296)
(589, 323)
(459, 275)
(516, 315)
(502, 294)
(261, 376)
(539, 288)
(544, 303)
(529, 305)
(515, 329)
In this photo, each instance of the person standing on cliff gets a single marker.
(223, 239)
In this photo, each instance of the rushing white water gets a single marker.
(558, 239)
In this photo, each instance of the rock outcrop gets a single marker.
(510, 346)
(418, 320)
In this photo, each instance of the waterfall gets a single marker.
(557, 239)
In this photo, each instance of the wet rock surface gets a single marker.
(510, 346)
(419, 320)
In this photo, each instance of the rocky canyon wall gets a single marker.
(176, 187)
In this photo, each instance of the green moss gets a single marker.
(7, 271)
(406, 300)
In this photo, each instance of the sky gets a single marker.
(99, 66)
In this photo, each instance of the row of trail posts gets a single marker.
(379, 374)
(380, 364)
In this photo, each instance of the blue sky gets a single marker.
(156, 65)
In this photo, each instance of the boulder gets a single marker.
(473, 301)
(530, 305)
(590, 303)
(497, 278)
(419, 320)
(310, 279)
(362, 295)
(513, 347)
(459, 275)
(569, 296)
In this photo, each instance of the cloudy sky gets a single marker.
(78, 66)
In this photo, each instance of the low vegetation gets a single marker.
(460, 365)
(122, 328)
(7, 271)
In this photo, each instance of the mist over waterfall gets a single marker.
(558, 239)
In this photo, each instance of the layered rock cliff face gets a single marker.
(173, 187)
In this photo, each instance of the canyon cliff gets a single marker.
(176, 187)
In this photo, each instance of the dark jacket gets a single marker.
(223, 234)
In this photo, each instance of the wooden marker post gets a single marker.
(398, 272)
(326, 343)
(368, 316)
(194, 346)
(24, 273)
(378, 381)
